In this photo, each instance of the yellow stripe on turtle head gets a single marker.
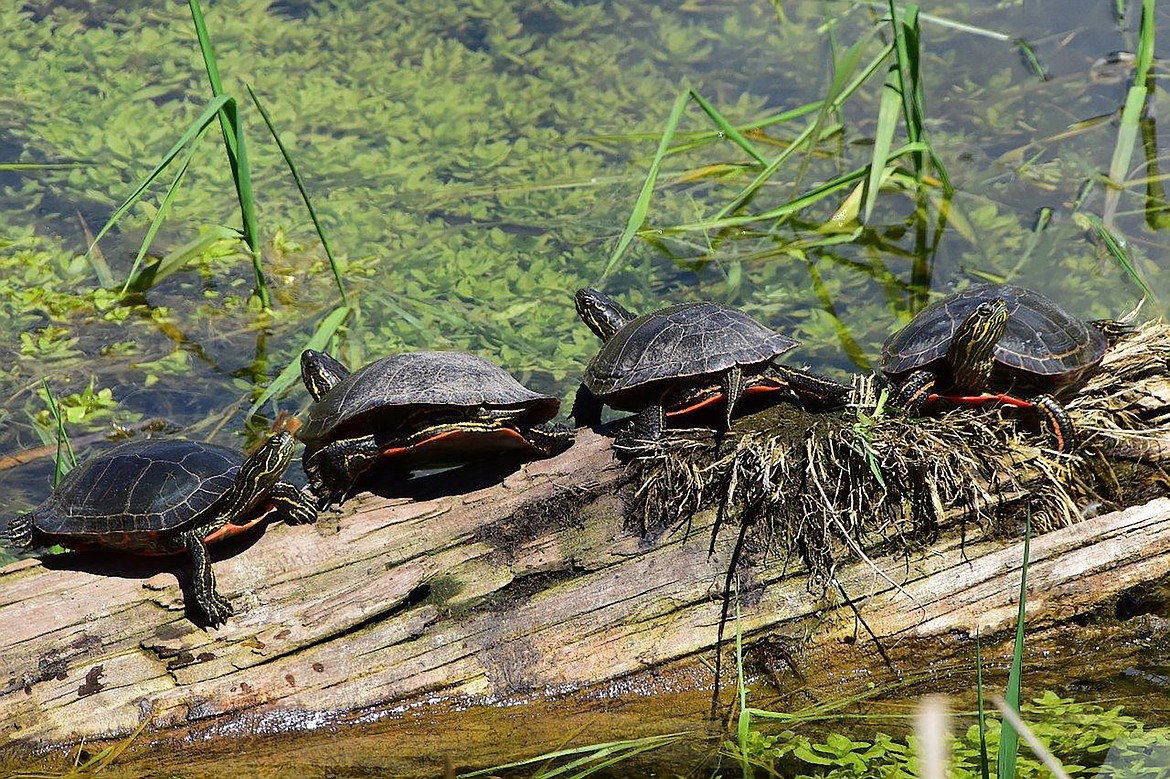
(972, 351)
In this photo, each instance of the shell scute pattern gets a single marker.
(140, 487)
(1041, 338)
(690, 339)
(397, 383)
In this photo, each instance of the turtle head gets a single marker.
(320, 372)
(266, 465)
(972, 351)
(601, 314)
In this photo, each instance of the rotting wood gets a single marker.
(535, 584)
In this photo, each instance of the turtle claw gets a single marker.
(217, 608)
(298, 507)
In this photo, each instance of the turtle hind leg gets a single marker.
(1055, 420)
(812, 390)
(19, 533)
(586, 408)
(215, 606)
(296, 507)
(732, 383)
(913, 393)
(648, 425)
(550, 438)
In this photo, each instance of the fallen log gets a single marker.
(543, 584)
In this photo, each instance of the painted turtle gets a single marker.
(167, 496)
(683, 358)
(418, 410)
(994, 343)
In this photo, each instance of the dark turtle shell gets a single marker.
(140, 488)
(686, 341)
(393, 387)
(1041, 339)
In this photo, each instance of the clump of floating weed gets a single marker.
(1124, 410)
(826, 487)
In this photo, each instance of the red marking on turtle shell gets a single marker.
(234, 529)
(982, 399)
(717, 396)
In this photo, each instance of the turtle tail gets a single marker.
(19, 533)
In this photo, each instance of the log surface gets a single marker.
(531, 585)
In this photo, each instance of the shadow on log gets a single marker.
(540, 584)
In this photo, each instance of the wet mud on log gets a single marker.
(536, 585)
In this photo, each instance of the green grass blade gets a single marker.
(1131, 113)
(883, 139)
(292, 372)
(19, 166)
(727, 128)
(630, 747)
(904, 28)
(1117, 250)
(194, 131)
(233, 138)
(180, 258)
(1145, 52)
(984, 762)
(844, 69)
(1009, 738)
(304, 194)
(248, 203)
(744, 195)
(812, 196)
(942, 21)
(642, 204)
(1028, 52)
(66, 459)
(693, 140)
(139, 282)
(210, 63)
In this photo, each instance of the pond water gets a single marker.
(475, 163)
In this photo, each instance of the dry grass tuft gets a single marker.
(822, 488)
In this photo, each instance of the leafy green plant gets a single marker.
(1090, 739)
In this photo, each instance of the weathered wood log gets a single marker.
(535, 584)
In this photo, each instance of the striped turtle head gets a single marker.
(320, 372)
(972, 351)
(603, 315)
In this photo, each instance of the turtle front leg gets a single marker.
(586, 408)
(1055, 419)
(297, 507)
(215, 606)
(913, 393)
(333, 468)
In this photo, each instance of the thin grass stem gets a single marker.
(304, 194)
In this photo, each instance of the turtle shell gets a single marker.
(691, 342)
(1041, 339)
(137, 491)
(389, 390)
